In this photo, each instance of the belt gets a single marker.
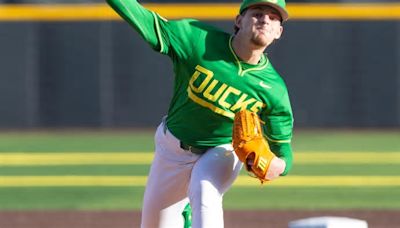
(193, 149)
(186, 146)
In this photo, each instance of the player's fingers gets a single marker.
(275, 169)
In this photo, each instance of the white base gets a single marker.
(328, 222)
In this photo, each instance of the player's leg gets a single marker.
(212, 176)
(166, 190)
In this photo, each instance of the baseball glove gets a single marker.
(249, 144)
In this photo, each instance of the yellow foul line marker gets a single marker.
(242, 181)
(145, 158)
(206, 11)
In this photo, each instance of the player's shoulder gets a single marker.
(271, 72)
(200, 26)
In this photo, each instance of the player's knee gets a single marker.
(205, 196)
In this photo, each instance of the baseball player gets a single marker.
(216, 75)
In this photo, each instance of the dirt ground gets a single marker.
(131, 219)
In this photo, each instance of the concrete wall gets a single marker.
(101, 74)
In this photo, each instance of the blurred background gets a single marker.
(81, 95)
(341, 73)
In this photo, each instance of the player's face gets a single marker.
(262, 25)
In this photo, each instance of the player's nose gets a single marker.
(265, 19)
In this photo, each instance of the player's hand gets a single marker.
(275, 169)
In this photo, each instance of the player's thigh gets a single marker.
(219, 166)
(212, 176)
(170, 170)
(166, 185)
(166, 189)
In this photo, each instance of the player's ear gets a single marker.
(238, 21)
(279, 33)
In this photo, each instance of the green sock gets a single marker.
(187, 215)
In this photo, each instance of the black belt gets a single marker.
(193, 149)
(186, 146)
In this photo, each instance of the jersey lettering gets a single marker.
(196, 74)
(224, 96)
(217, 96)
(207, 93)
(257, 106)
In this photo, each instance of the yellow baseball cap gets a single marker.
(279, 5)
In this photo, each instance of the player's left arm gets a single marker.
(278, 130)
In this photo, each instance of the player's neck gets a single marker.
(246, 51)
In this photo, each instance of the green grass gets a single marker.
(346, 140)
(100, 141)
(88, 198)
(142, 170)
(96, 141)
(346, 170)
(90, 170)
(112, 198)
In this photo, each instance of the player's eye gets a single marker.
(274, 17)
(257, 15)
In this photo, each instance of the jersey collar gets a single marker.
(245, 67)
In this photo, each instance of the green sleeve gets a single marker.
(174, 38)
(144, 21)
(278, 129)
(283, 151)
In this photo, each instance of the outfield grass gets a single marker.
(347, 140)
(87, 198)
(92, 170)
(140, 170)
(116, 198)
(143, 141)
(88, 141)
(257, 196)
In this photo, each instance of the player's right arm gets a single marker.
(141, 19)
(173, 38)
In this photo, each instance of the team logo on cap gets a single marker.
(273, 1)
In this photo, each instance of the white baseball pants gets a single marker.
(178, 176)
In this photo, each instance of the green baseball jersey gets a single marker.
(212, 83)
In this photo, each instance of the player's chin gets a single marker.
(260, 40)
